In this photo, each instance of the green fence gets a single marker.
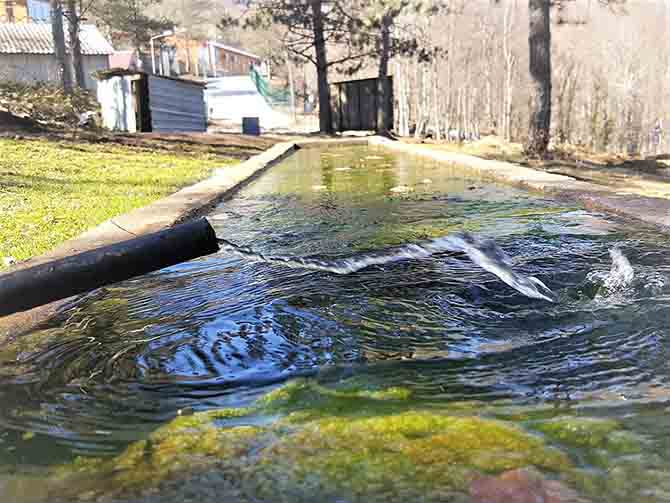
(276, 97)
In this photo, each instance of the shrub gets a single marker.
(47, 103)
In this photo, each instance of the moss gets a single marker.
(356, 443)
(414, 452)
(589, 433)
(399, 234)
(537, 212)
(302, 400)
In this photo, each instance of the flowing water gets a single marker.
(351, 266)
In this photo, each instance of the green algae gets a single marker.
(302, 400)
(537, 212)
(398, 234)
(610, 453)
(415, 451)
(361, 444)
(590, 433)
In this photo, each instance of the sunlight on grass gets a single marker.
(489, 147)
(53, 191)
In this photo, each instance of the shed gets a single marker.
(136, 101)
(27, 53)
(354, 104)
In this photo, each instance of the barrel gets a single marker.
(251, 126)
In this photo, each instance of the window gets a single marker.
(39, 11)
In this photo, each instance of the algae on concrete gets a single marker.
(357, 444)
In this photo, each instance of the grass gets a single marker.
(489, 147)
(51, 191)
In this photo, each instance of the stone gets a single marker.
(521, 486)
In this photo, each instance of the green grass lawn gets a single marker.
(51, 191)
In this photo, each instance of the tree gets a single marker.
(539, 45)
(391, 28)
(76, 10)
(59, 44)
(321, 61)
(74, 20)
(311, 27)
(539, 61)
(128, 21)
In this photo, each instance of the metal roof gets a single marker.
(36, 38)
(234, 50)
(121, 72)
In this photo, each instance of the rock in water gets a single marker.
(521, 486)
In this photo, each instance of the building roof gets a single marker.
(122, 72)
(234, 50)
(36, 38)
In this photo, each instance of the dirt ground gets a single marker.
(646, 176)
(236, 146)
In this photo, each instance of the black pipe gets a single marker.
(38, 285)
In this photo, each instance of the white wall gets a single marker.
(117, 104)
(43, 68)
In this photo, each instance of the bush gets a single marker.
(46, 103)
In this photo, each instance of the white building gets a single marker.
(27, 53)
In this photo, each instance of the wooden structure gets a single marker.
(135, 101)
(226, 60)
(177, 56)
(354, 104)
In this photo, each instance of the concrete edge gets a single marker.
(184, 204)
(190, 202)
(650, 210)
(200, 198)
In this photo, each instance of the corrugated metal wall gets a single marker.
(176, 106)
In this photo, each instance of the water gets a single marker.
(485, 254)
(423, 306)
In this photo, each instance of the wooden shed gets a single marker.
(136, 101)
(354, 104)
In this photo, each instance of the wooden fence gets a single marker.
(354, 104)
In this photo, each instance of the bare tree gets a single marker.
(510, 60)
(59, 44)
(539, 46)
(73, 17)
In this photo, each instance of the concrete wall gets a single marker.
(43, 68)
(176, 106)
(117, 104)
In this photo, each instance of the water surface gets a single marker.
(222, 331)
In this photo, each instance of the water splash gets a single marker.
(621, 274)
(484, 253)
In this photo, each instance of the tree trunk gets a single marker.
(539, 45)
(291, 85)
(75, 44)
(383, 84)
(59, 44)
(325, 112)
(436, 102)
